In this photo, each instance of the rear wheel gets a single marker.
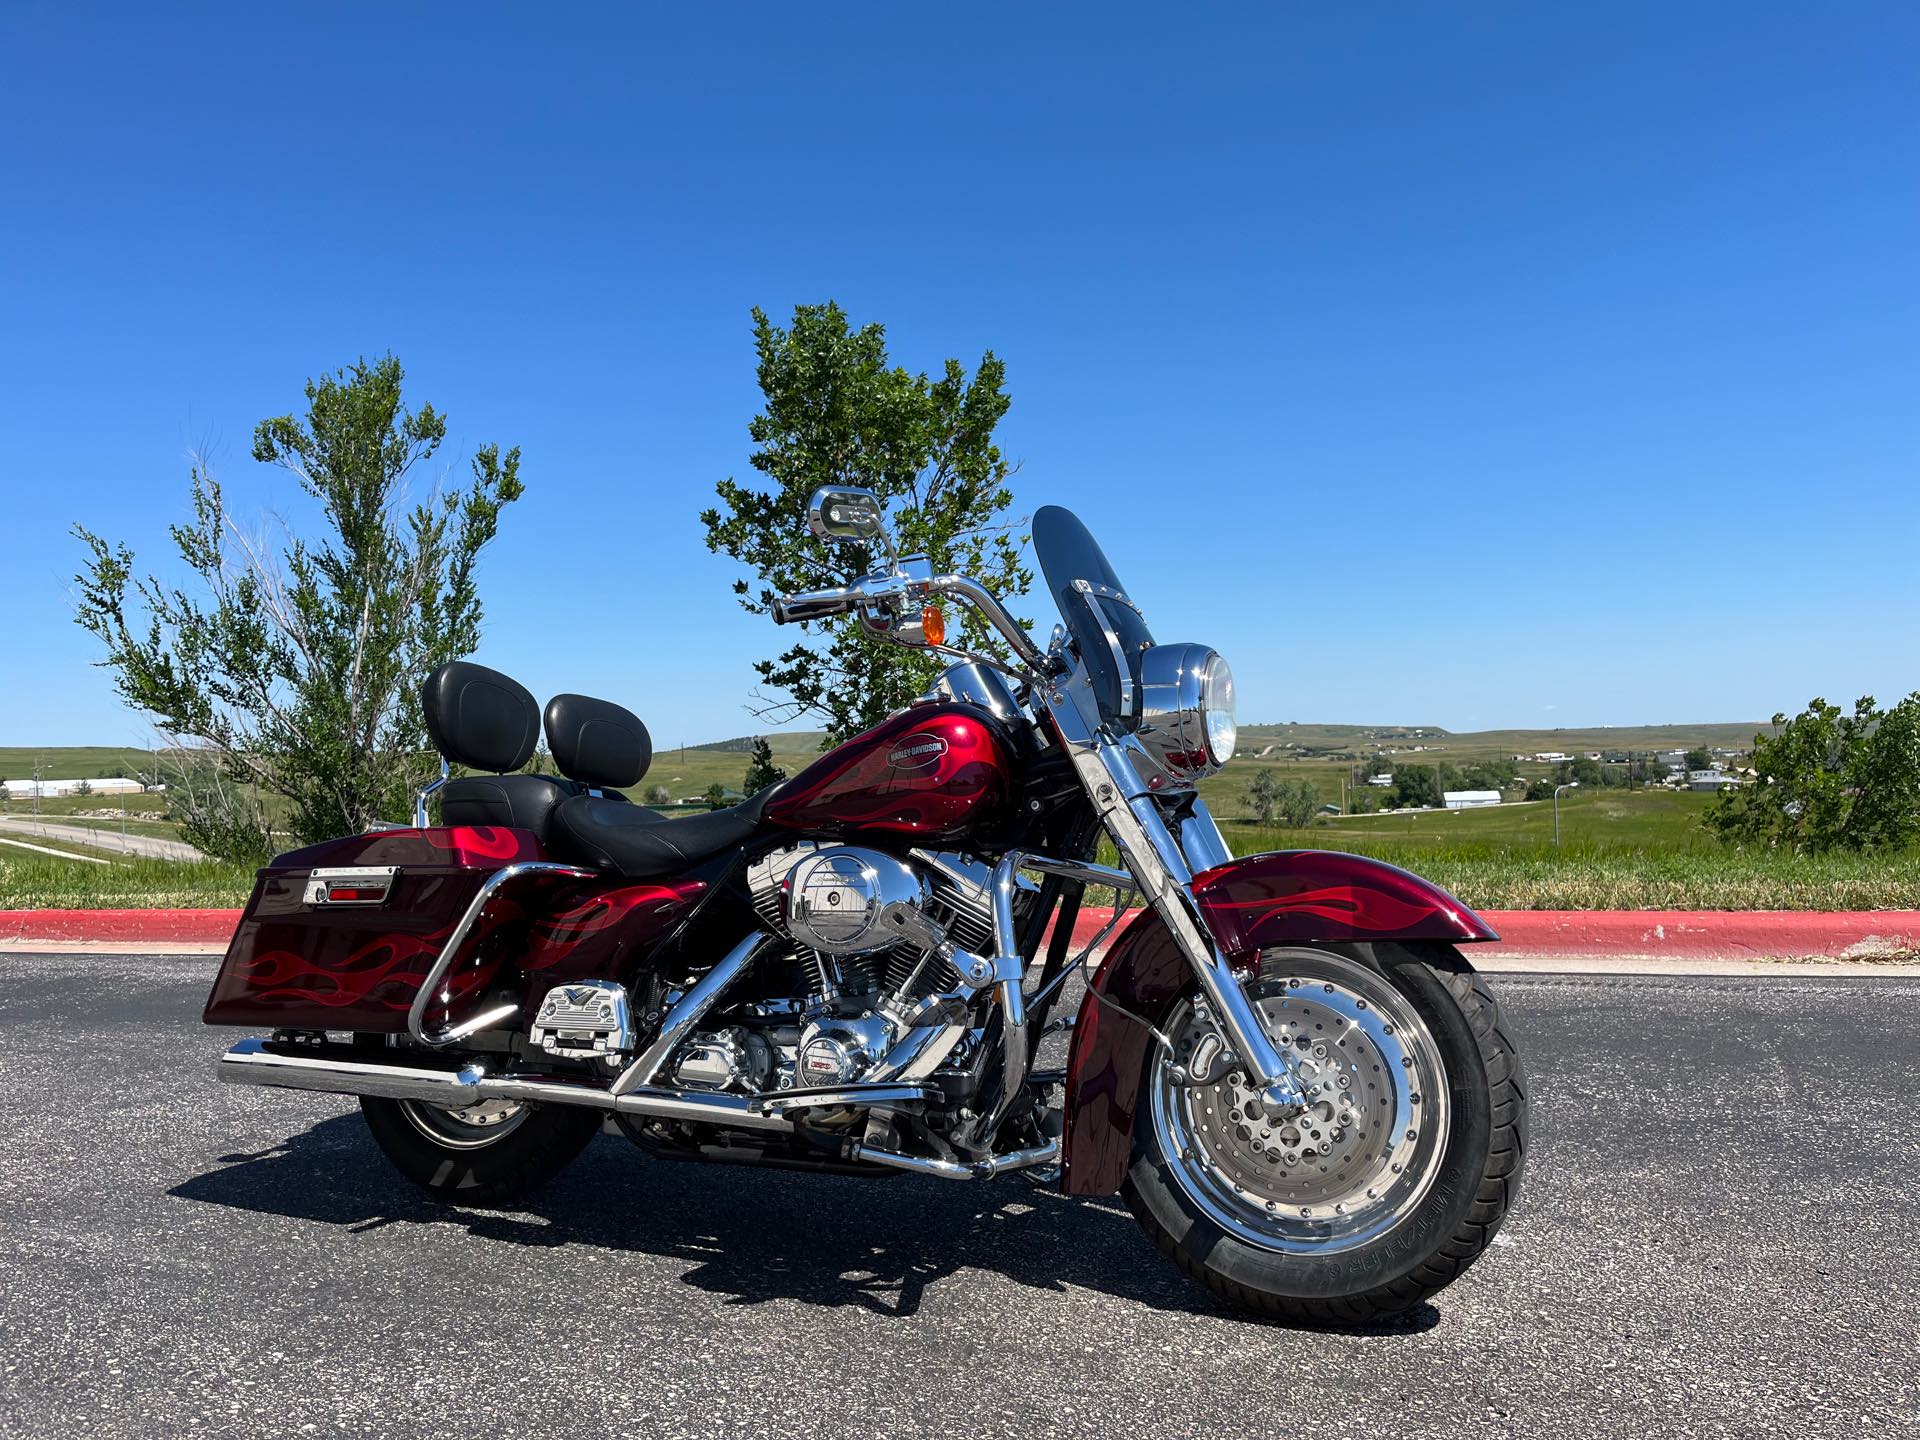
(478, 1154)
(1394, 1177)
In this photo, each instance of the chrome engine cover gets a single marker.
(848, 901)
(838, 1051)
(732, 1059)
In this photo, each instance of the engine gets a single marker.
(866, 928)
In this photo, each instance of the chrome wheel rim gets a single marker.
(465, 1127)
(1366, 1151)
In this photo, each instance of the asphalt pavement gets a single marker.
(1716, 1236)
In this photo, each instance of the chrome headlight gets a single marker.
(1186, 710)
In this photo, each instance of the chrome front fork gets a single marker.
(1160, 867)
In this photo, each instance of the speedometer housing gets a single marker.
(1186, 712)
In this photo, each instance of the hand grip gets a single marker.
(811, 605)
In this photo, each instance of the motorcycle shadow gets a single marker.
(751, 1236)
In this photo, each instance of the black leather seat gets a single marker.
(641, 845)
(484, 720)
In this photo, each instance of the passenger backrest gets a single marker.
(596, 742)
(480, 718)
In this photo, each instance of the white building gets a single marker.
(1711, 780)
(1469, 799)
(1552, 757)
(48, 789)
(1383, 781)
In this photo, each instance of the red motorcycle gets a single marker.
(1283, 1061)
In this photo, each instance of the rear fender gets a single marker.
(1290, 897)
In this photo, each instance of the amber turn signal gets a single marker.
(933, 625)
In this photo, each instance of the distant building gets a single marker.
(48, 789)
(1383, 781)
(1470, 799)
(1711, 780)
(1552, 757)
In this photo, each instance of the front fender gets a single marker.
(1289, 897)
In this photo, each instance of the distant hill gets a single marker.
(795, 748)
(1330, 740)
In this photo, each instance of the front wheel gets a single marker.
(1392, 1180)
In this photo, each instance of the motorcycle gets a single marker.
(1282, 1061)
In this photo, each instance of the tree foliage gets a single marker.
(837, 412)
(1417, 786)
(298, 674)
(1830, 780)
(761, 771)
(1292, 801)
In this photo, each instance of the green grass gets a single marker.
(30, 881)
(1585, 876)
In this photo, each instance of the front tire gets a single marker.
(1376, 1196)
(481, 1154)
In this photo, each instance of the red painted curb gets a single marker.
(121, 927)
(1682, 934)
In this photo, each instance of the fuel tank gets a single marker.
(932, 772)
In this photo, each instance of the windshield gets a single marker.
(1096, 608)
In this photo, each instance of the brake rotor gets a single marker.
(1362, 1152)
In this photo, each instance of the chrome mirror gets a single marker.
(841, 512)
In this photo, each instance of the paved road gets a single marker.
(103, 837)
(1717, 1237)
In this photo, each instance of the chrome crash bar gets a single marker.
(443, 962)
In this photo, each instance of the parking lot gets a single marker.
(1716, 1236)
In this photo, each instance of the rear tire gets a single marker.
(478, 1156)
(1375, 1200)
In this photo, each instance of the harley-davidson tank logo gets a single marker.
(917, 753)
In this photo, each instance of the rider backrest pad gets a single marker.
(597, 742)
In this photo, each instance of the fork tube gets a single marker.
(1146, 844)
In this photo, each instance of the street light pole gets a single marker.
(1570, 785)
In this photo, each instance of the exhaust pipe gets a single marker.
(986, 1169)
(251, 1063)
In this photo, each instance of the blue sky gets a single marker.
(1473, 365)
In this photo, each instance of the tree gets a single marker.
(1582, 771)
(761, 771)
(836, 411)
(1699, 758)
(659, 795)
(716, 794)
(1263, 795)
(1827, 780)
(83, 788)
(1297, 802)
(1646, 770)
(1488, 775)
(299, 675)
(1423, 785)
(1292, 801)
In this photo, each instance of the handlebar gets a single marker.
(891, 588)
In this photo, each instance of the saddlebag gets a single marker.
(338, 936)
